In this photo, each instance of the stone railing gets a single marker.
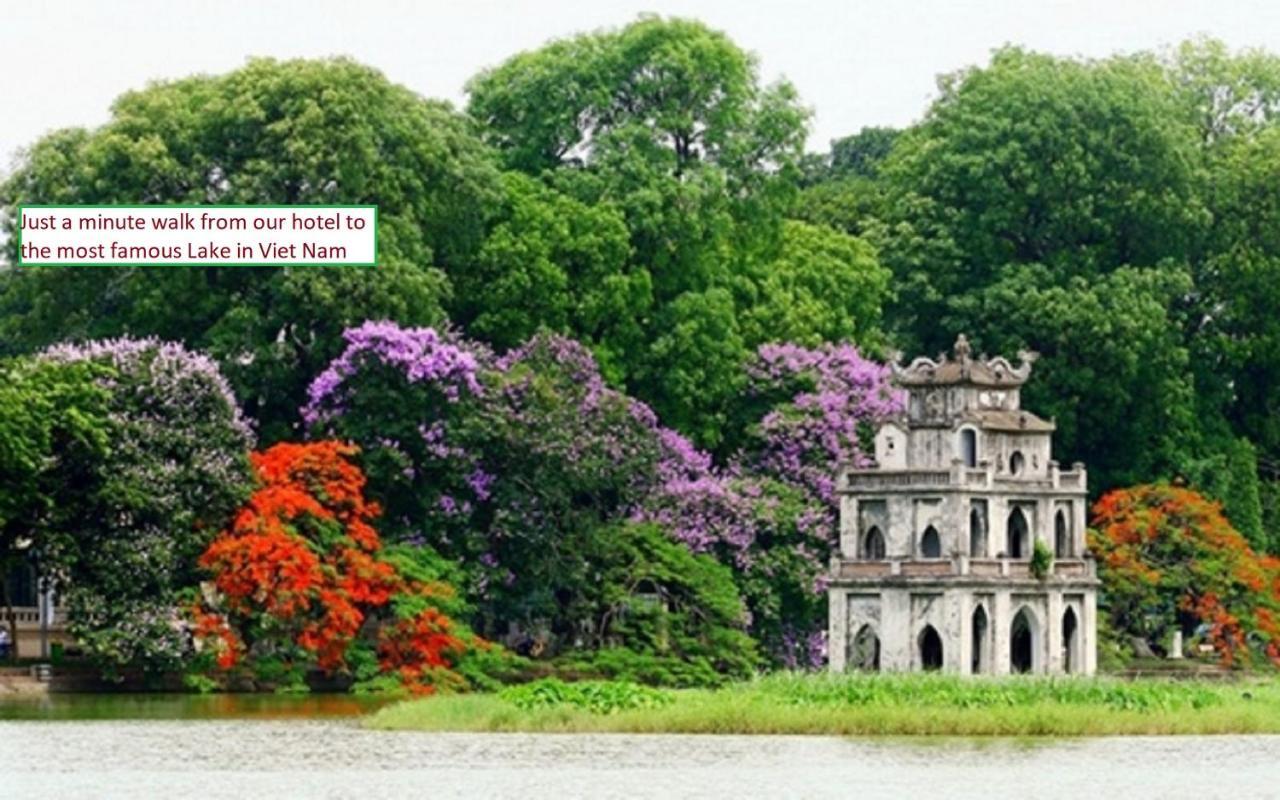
(958, 476)
(960, 566)
(28, 617)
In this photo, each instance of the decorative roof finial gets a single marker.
(961, 348)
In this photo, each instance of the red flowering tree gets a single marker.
(298, 581)
(1169, 557)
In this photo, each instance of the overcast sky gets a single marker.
(855, 62)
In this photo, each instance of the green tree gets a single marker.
(294, 132)
(857, 155)
(553, 262)
(666, 122)
(1081, 166)
(823, 286)
(53, 429)
(1111, 351)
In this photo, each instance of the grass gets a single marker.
(876, 705)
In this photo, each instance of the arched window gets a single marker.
(1016, 463)
(931, 543)
(977, 533)
(1061, 538)
(873, 545)
(1019, 538)
(864, 650)
(1070, 649)
(930, 644)
(979, 662)
(969, 447)
(1022, 642)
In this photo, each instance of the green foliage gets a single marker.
(664, 125)
(658, 601)
(824, 286)
(1041, 560)
(52, 422)
(856, 156)
(1110, 349)
(598, 697)
(930, 691)
(1231, 477)
(293, 132)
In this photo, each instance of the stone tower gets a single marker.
(936, 537)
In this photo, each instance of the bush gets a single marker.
(597, 697)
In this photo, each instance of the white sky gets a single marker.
(855, 62)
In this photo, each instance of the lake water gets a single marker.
(285, 748)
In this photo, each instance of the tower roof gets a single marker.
(962, 368)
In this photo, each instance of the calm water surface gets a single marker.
(283, 748)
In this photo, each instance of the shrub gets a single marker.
(598, 697)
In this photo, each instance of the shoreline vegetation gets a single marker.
(916, 705)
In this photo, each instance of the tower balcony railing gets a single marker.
(960, 565)
(960, 477)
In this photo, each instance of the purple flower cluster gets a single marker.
(837, 394)
(421, 354)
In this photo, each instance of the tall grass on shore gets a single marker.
(866, 705)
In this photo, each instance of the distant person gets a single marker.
(4, 643)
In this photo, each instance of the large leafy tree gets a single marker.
(295, 132)
(1082, 167)
(666, 123)
(1111, 349)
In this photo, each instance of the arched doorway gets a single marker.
(864, 651)
(930, 649)
(931, 543)
(977, 534)
(979, 662)
(969, 447)
(1022, 643)
(873, 545)
(1070, 647)
(1061, 538)
(1018, 544)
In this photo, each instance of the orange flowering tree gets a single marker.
(1169, 557)
(300, 582)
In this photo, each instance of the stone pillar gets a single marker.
(1089, 632)
(849, 526)
(964, 638)
(1001, 616)
(837, 628)
(1175, 649)
(1053, 632)
(954, 644)
(897, 639)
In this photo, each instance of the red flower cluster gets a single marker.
(303, 555)
(1167, 550)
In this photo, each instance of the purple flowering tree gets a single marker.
(519, 466)
(176, 469)
(771, 513)
(513, 466)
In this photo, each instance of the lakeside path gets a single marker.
(251, 758)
